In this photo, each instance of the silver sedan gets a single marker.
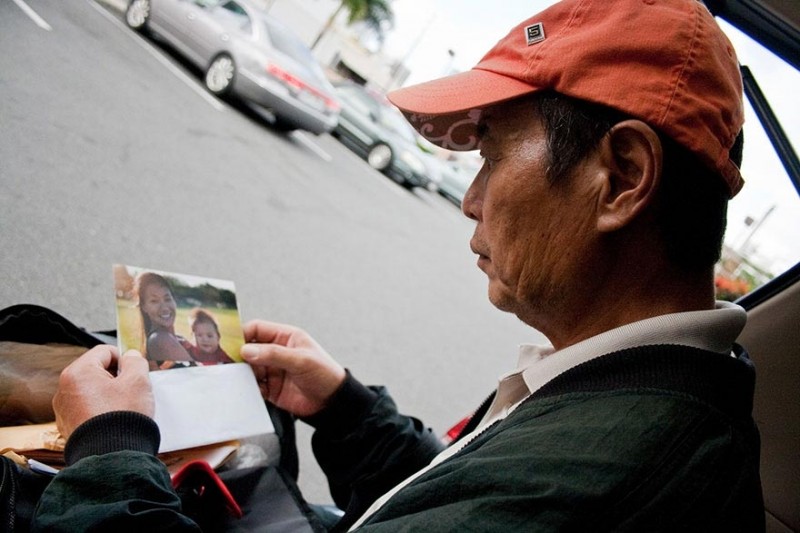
(244, 52)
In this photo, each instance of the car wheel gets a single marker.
(220, 74)
(380, 156)
(137, 14)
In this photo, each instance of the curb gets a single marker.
(119, 5)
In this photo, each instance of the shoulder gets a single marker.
(583, 446)
(164, 346)
(161, 338)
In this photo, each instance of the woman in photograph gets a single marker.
(162, 347)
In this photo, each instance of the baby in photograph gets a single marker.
(206, 349)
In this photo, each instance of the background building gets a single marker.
(353, 52)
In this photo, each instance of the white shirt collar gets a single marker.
(714, 330)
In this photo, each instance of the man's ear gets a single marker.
(632, 157)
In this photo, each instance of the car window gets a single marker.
(763, 234)
(233, 15)
(358, 101)
(234, 8)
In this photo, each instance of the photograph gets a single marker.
(177, 320)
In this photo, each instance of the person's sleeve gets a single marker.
(365, 447)
(113, 481)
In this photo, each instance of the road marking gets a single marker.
(33, 15)
(190, 82)
(314, 147)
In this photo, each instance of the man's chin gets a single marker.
(500, 300)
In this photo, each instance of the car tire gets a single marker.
(283, 125)
(220, 75)
(137, 15)
(380, 156)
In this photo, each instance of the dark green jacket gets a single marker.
(656, 438)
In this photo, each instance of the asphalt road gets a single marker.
(112, 152)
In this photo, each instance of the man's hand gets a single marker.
(293, 371)
(100, 381)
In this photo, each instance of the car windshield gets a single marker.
(395, 121)
(358, 101)
(387, 115)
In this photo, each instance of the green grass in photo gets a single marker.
(129, 327)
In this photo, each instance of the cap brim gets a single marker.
(446, 111)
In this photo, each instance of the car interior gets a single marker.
(772, 338)
(772, 335)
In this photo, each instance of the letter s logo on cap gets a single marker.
(534, 33)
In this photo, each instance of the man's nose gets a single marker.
(472, 202)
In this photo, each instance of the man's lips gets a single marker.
(477, 249)
(482, 257)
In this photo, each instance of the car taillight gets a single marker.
(296, 85)
(291, 81)
(332, 105)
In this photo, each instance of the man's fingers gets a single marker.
(272, 355)
(133, 362)
(269, 332)
(103, 356)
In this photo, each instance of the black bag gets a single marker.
(20, 490)
(34, 324)
(268, 496)
(246, 500)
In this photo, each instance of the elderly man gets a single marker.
(611, 133)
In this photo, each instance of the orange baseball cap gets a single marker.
(665, 62)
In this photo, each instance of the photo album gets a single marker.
(189, 330)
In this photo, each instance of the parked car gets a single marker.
(374, 129)
(244, 53)
(456, 177)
